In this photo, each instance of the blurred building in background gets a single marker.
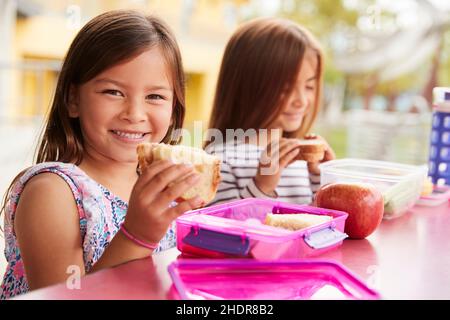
(35, 36)
(382, 56)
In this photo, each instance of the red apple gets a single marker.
(362, 201)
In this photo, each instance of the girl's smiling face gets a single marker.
(125, 105)
(301, 98)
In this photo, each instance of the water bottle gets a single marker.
(439, 157)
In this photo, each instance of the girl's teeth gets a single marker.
(129, 135)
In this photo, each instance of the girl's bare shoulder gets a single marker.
(47, 193)
(47, 183)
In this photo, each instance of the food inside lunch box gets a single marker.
(295, 221)
(400, 196)
(427, 187)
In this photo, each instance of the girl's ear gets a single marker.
(73, 102)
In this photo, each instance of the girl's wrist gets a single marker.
(270, 193)
(136, 240)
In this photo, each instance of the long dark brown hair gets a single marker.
(103, 42)
(261, 61)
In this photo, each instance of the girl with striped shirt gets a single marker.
(267, 97)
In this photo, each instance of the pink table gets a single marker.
(406, 258)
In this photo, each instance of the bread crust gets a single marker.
(311, 157)
(311, 150)
(215, 181)
(145, 155)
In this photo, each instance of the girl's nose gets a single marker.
(133, 111)
(299, 98)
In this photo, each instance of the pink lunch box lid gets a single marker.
(243, 279)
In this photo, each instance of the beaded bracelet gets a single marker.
(151, 246)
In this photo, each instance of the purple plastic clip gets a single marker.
(218, 241)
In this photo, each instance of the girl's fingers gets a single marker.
(164, 177)
(274, 146)
(311, 136)
(185, 206)
(151, 171)
(286, 149)
(289, 158)
(313, 167)
(266, 155)
(176, 190)
(286, 146)
(275, 150)
(329, 154)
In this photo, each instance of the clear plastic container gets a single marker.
(240, 279)
(400, 184)
(236, 229)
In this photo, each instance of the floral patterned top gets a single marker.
(100, 212)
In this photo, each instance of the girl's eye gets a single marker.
(115, 93)
(311, 88)
(155, 97)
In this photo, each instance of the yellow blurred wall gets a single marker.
(202, 40)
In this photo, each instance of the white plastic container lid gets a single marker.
(372, 169)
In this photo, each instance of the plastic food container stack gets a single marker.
(236, 230)
(400, 184)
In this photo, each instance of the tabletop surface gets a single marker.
(405, 258)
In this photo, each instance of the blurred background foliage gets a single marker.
(381, 56)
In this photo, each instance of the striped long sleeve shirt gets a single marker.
(239, 167)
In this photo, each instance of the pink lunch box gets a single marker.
(235, 229)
